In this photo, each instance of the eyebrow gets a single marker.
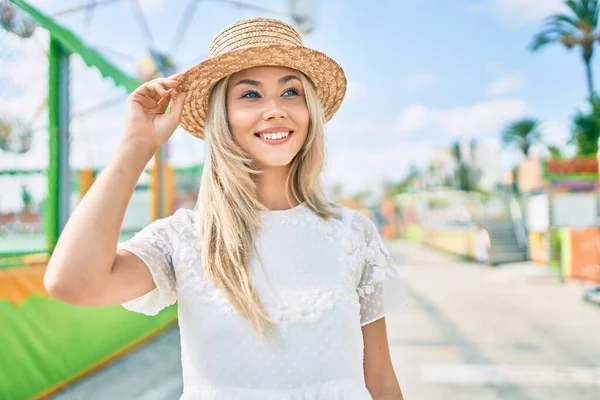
(251, 82)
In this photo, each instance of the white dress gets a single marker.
(320, 280)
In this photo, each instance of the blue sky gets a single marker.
(421, 73)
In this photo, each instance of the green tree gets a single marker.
(26, 199)
(466, 175)
(522, 134)
(574, 29)
(586, 131)
(405, 184)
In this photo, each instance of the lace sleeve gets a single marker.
(154, 246)
(379, 290)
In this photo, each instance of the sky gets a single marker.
(421, 74)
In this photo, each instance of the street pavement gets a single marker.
(470, 332)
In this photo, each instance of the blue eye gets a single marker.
(293, 92)
(252, 94)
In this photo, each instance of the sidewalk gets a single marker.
(151, 372)
(512, 332)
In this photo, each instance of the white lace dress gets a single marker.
(321, 281)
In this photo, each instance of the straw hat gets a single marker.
(257, 42)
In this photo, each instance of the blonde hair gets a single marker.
(228, 208)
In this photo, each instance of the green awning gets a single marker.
(74, 44)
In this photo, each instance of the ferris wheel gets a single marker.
(16, 133)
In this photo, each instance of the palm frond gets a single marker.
(557, 28)
(543, 39)
(564, 19)
(576, 7)
(585, 10)
(555, 23)
(522, 134)
(591, 10)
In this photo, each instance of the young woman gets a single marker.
(281, 294)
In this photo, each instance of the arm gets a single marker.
(379, 293)
(379, 373)
(85, 268)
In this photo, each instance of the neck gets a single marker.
(272, 190)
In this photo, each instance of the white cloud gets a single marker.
(354, 128)
(505, 84)
(420, 81)
(355, 91)
(474, 120)
(519, 11)
(149, 7)
(483, 118)
(555, 132)
(357, 169)
(413, 118)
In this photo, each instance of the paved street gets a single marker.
(475, 332)
(471, 332)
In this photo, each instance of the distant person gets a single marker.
(281, 293)
(482, 244)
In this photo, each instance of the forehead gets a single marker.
(264, 74)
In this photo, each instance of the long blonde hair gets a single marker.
(228, 207)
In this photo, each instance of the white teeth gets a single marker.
(274, 136)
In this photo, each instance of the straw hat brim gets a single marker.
(327, 76)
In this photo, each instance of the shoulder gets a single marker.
(358, 221)
(180, 222)
(183, 217)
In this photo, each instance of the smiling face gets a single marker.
(267, 114)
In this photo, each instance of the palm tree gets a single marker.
(522, 134)
(576, 29)
(465, 173)
(586, 131)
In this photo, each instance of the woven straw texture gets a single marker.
(258, 42)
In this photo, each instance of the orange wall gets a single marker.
(585, 254)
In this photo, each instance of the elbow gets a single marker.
(60, 289)
(64, 288)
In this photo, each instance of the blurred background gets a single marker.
(469, 135)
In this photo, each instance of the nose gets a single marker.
(274, 110)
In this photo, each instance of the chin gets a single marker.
(269, 162)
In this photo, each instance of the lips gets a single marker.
(275, 134)
(274, 137)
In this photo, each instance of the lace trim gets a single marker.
(204, 290)
(310, 309)
(165, 293)
(296, 216)
(339, 235)
(379, 268)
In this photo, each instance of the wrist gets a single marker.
(132, 156)
(139, 146)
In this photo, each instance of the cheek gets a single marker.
(299, 113)
(240, 122)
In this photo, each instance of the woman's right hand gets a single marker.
(146, 121)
